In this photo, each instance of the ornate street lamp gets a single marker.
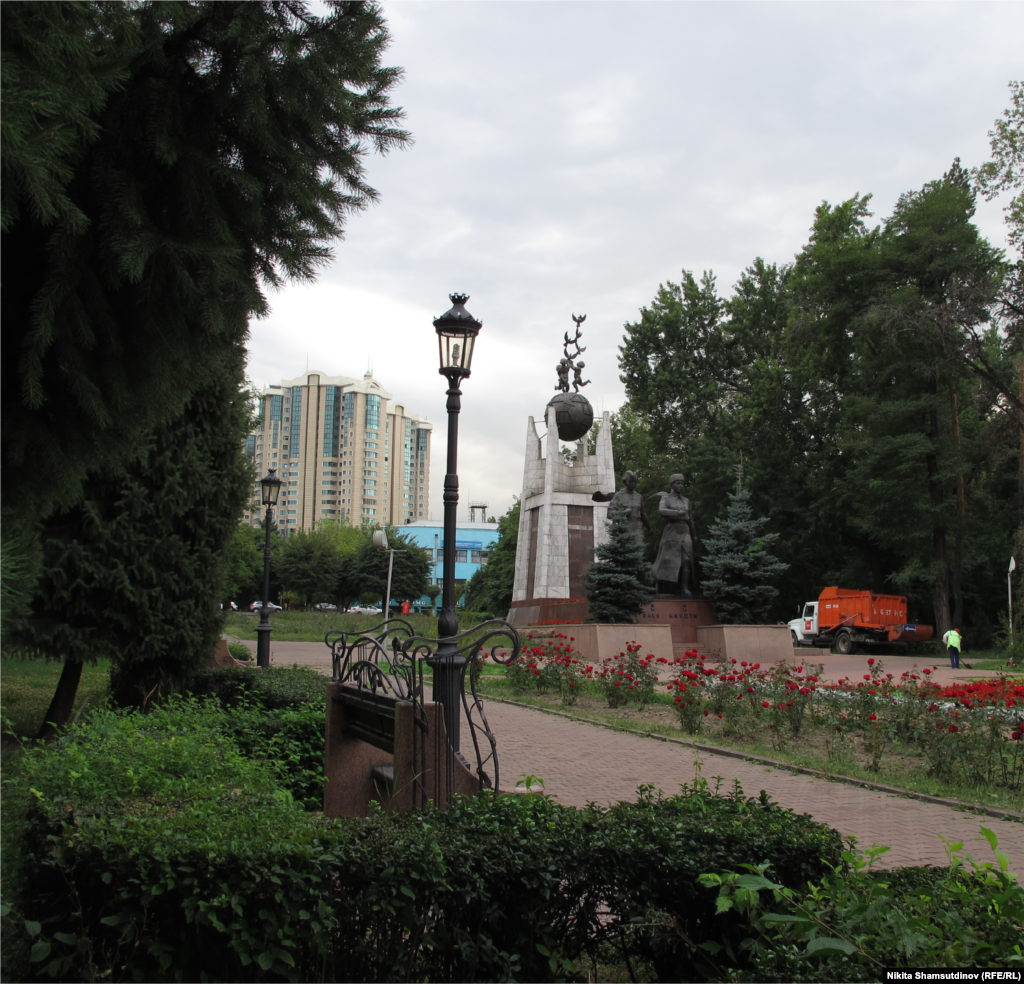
(456, 336)
(271, 488)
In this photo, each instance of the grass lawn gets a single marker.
(27, 686)
(901, 766)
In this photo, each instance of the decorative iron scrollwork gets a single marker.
(389, 659)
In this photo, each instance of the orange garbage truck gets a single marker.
(842, 620)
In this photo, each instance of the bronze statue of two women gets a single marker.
(673, 569)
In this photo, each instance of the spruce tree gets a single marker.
(619, 581)
(136, 571)
(738, 568)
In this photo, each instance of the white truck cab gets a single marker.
(805, 628)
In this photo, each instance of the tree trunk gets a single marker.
(63, 702)
(940, 593)
(961, 513)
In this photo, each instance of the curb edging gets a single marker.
(774, 763)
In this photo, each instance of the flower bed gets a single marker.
(968, 735)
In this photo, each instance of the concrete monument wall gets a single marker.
(559, 523)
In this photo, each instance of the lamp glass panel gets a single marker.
(456, 349)
(271, 486)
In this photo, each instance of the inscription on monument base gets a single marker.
(682, 615)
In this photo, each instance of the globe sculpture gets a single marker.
(574, 415)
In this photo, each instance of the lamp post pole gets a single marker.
(380, 540)
(457, 330)
(1009, 593)
(271, 488)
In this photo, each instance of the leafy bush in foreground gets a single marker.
(852, 926)
(272, 688)
(154, 848)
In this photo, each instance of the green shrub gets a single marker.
(274, 687)
(240, 651)
(852, 926)
(166, 847)
(290, 740)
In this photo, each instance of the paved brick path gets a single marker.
(583, 762)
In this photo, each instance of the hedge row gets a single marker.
(168, 847)
(273, 688)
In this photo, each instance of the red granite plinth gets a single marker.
(682, 615)
(535, 610)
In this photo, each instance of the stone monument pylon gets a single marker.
(559, 523)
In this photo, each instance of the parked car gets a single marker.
(257, 605)
(364, 610)
(325, 606)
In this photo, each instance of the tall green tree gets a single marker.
(244, 581)
(136, 571)
(312, 564)
(618, 582)
(866, 389)
(162, 163)
(410, 573)
(1004, 172)
(739, 570)
(897, 306)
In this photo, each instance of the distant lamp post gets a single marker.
(380, 541)
(271, 486)
(1009, 593)
(456, 337)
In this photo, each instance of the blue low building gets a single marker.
(473, 543)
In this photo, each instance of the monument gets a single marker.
(677, 602)
(559, 521)
(563, 515)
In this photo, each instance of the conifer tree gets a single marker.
(162, 164)
(136, 571)
(619, 581)
(738, 569)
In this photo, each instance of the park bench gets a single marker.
(380, 747)
(384, 742)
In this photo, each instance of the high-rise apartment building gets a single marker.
(344, 449)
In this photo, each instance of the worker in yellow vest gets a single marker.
(952, 640)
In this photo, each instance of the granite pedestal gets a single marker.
(682, 615)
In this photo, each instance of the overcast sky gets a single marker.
(571, 156)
